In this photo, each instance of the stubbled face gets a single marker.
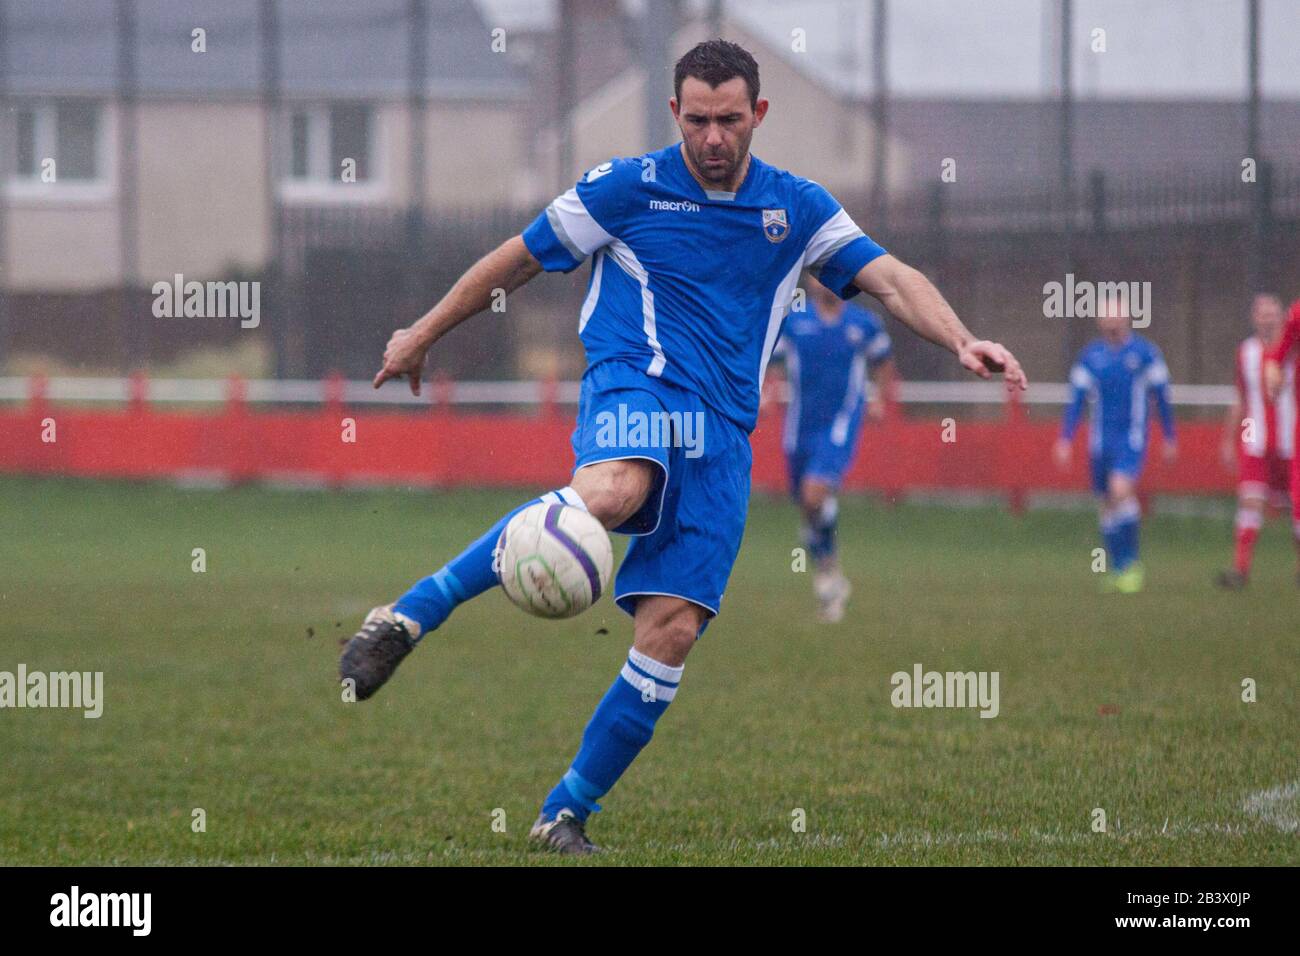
(717, 124)
(1266, 316)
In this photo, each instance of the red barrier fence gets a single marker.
(344, 442)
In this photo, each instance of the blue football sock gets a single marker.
(1110, 539)
(469, 574)
(1127, 523)
(621, 726)
(819, 537)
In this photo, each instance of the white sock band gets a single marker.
(661, 682)
(1127, 510)
(1249, 518)
(566, 496)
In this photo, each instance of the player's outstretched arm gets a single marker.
(1063, 449)
(914, 301)
(507, 267)
(1165, 406)
(884, 376)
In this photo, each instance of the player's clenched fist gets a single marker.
(404, 355)
(984, 358)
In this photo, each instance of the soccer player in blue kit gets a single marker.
(1118, 375)
(828, 350)
(696, 250)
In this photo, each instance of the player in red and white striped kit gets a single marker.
(1261, 433)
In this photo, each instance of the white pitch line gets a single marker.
(926, 839)
(1276, 806)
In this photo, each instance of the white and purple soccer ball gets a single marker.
(554, 560)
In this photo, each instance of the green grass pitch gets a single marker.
(221, 693)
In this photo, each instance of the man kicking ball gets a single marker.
(696, 252)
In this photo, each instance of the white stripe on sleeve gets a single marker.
(834, 234)
(577, 227)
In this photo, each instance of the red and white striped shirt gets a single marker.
(1274, 423)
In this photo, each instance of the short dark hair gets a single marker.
(715, 62)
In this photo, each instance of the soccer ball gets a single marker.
(554, 560)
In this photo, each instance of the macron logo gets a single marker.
(674, 206)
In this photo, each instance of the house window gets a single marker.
(58, 142)
(322, 141)
(350, 137)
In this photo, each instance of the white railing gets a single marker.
(1042, 393)
(360, 392)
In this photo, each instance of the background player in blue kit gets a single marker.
(828, 350)
(1118, 375)
(696, 251)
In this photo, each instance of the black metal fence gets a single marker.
(355, 273)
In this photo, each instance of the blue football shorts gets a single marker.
(1120, 457)
(817, 455)
(687, 534)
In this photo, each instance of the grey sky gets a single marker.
(983, 48)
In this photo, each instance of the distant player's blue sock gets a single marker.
(1110, 537)
(1127, 517)
(622, 724)
(431, 601)
(819, 537)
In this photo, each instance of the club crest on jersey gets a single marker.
(775, 226)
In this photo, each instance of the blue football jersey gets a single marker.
(1118, 382)
(826, 365)
(689, 284)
